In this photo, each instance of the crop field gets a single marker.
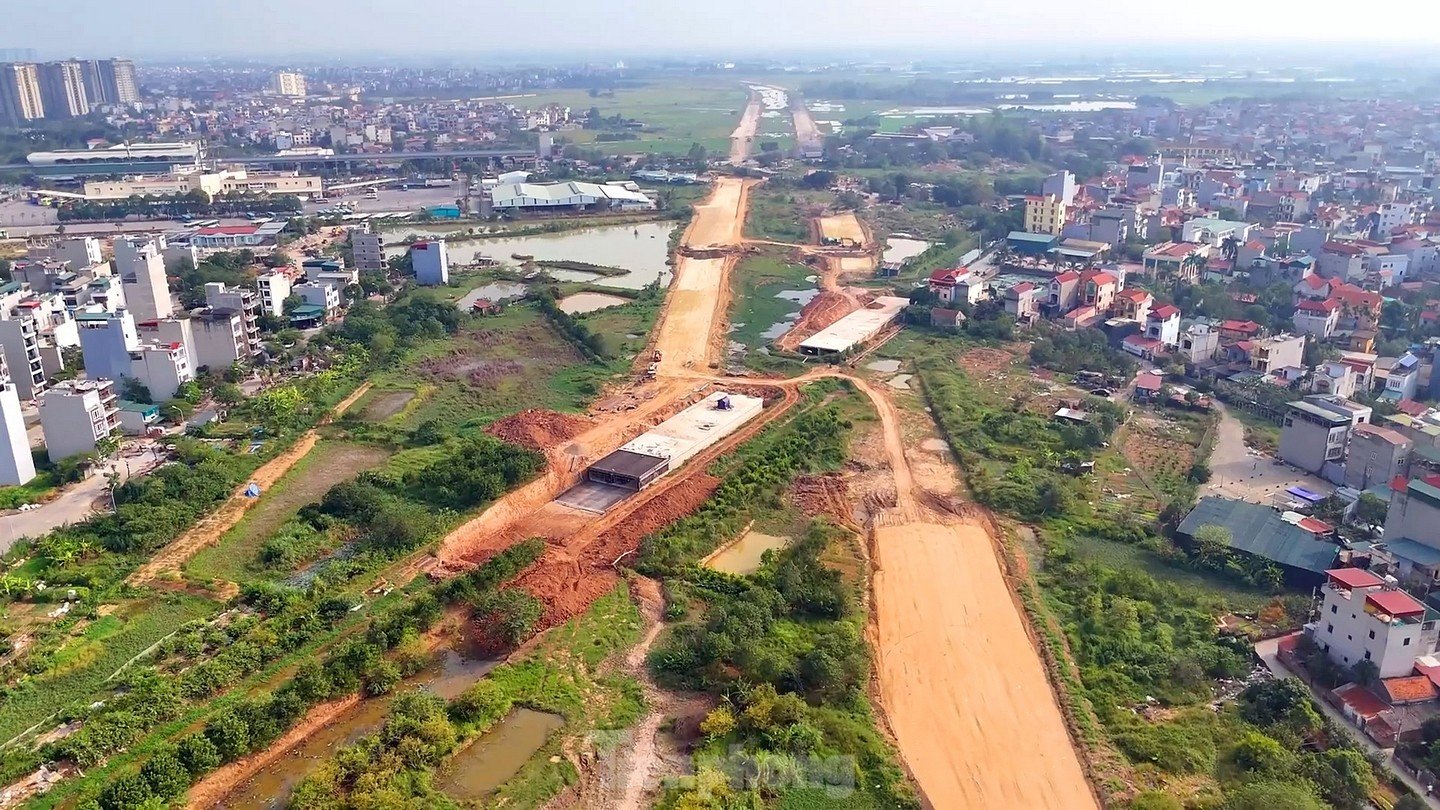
(80, 669)
(783, 214)
(327, 465)
(675, 114)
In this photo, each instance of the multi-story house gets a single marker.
(1317, 319)
(1376, 455)
(75, 415)
(1365, 618)
(1317, 430)
(1403, 380)
(1063, 292)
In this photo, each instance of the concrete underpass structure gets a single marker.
(660, 450)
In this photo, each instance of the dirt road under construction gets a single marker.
(961, 683)
(742, 140)
(807, 135)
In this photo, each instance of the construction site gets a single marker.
(956, 673)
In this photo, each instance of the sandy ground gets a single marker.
(807, 135)
(697, 299)
(743, 138)
(959, 679)
(213, 526)
(843, 226)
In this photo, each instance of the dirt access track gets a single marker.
(961, 684)
(743, 138)
(807, 135)
(212, 527)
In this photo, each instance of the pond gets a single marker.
(498, 755)
(743, 556)
(898, 249)
(642, 249)
(495, 291)
(589, 302)
(272, 785)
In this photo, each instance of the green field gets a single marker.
(675, 114)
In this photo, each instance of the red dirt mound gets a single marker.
(827, 494)
(538, 429)
(824, 309)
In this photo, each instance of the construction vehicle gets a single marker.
(655, 356)
(724, 403)
(652, 370)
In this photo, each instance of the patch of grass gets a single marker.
(783, 214)
(32, 491)
(329, 463)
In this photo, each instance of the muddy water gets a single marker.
(498, 755)
(589, 302)
(898, 249)
(642, 249)
(271, 786)
(743, 556)
(494, 291)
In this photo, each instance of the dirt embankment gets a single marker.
(743, 138)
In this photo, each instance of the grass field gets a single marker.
(676, 114)
(323, 467)
(783, 214)
(755, 306)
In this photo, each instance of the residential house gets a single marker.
(1214, 231)
(1179, 259)
(1098, 289)
(1133, 304)
(1022, 302)
(1317, 318)
(1412, 527)
(1376, 455)
(1163, 324)
(1045, 214)
(1239, 330)
(944, 283)
(1403, 380)
(1341, 260)
(1198, 341)
(75, 415)
(1063, 292)
(1365, 618)
(1317, 430)
(946, 319)
(1335, 378)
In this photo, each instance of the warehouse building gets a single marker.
(667, 446)
(574, 195)
(855, 328)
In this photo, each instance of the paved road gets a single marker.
(1267, 650)
(1239, 472)
(76, 503)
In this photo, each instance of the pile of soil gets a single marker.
(538, 429)
(827, 494)
(985, 361)
(678, 501)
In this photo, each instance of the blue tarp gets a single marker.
(252, 491)
(1309, 495)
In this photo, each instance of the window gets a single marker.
(1329, 628)
(1334, 608)
(1367, 655)
(1406, 644)
(1372, 634)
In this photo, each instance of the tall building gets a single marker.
(162, 368)
(112, 81)
(106, 341)
(274, 288)
(431, 262)
(368, 250)
(142, 276)
(16, 464)
(62, 86)
(76, 414)
(289, 84)
(20, 97)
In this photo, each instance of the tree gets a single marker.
(166, 775)
(1365, 672)
(1411, 802)
(1212, 542)
(1273, 795)
(1371, 510)
(1261, 754)
(136, 391)
(719, 723)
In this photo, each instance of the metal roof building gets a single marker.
(566, 195)
(855, 328)
(1262, 532)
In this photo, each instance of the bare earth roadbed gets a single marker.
(964, 689)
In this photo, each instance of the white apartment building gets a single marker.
(77, 414)
(186, 181)
(106, 340)
(239, 299)
(431, 262)
(162, 368)
(289, 84)
(273, 289)
(33, 330)
(217, 339)
(17, 466)
(79, 251)
(1366, 618)
(319, 295)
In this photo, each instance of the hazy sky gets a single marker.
(1048, 29)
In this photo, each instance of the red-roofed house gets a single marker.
(1098, 289)
(1134, 304)
(1341, 260)
(1163, 324)
(945, 283)
(1063, 292)
(1147, 385)
(1142, 347)
(1364, 618)
(1317, 318)
(1239, 330)
(1022, 302)
(1316, 288)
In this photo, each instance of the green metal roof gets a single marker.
(1413, 551)
(1026, 236)
(89, 315)
(1259, 530)
(137, 407)
(307, 311)
(1424, 491)
(10, 286)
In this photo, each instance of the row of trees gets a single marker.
(179, 206)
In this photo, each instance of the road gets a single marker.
(743, 138)
(1268, 654)
(1238, 472)
(75, 503)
